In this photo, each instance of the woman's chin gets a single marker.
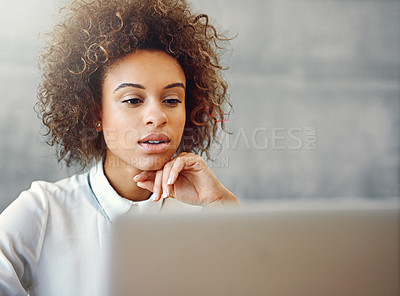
(151, 163)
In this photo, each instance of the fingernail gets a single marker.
(164, 195)
(135, 178)
(154, 197)
(169, 181)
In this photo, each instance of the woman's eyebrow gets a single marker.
(172, 85)
(123, 85)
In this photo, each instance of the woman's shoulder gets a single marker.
(25, 222)
(66, 185)
(41, 193)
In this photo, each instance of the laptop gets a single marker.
(258, 252)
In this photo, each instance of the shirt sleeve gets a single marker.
(22, 231)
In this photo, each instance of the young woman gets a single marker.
(123, 92)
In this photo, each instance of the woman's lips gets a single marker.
(155, 143)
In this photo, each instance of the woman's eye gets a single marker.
(133, 101)
(172, 102)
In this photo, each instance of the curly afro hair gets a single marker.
(96, 33)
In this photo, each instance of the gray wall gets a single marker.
(315, 87)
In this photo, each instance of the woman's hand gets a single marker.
(188, 179)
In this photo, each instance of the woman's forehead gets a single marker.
(146, 70)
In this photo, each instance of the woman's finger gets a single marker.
(167, 189)
(172, 162)
(149, 185)
(188, 160)
(144, 176)
(178, 165)
(157, 186)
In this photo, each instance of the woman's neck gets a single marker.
(120, 175)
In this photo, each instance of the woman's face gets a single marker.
(143, 109)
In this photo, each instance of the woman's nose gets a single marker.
(155, 115)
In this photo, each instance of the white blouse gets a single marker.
(54, 237)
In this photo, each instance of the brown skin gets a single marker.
(142, 94)
(130, 113)
(188, 179)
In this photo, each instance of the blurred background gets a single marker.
(315, 87)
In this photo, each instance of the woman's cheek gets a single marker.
(129, 139)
